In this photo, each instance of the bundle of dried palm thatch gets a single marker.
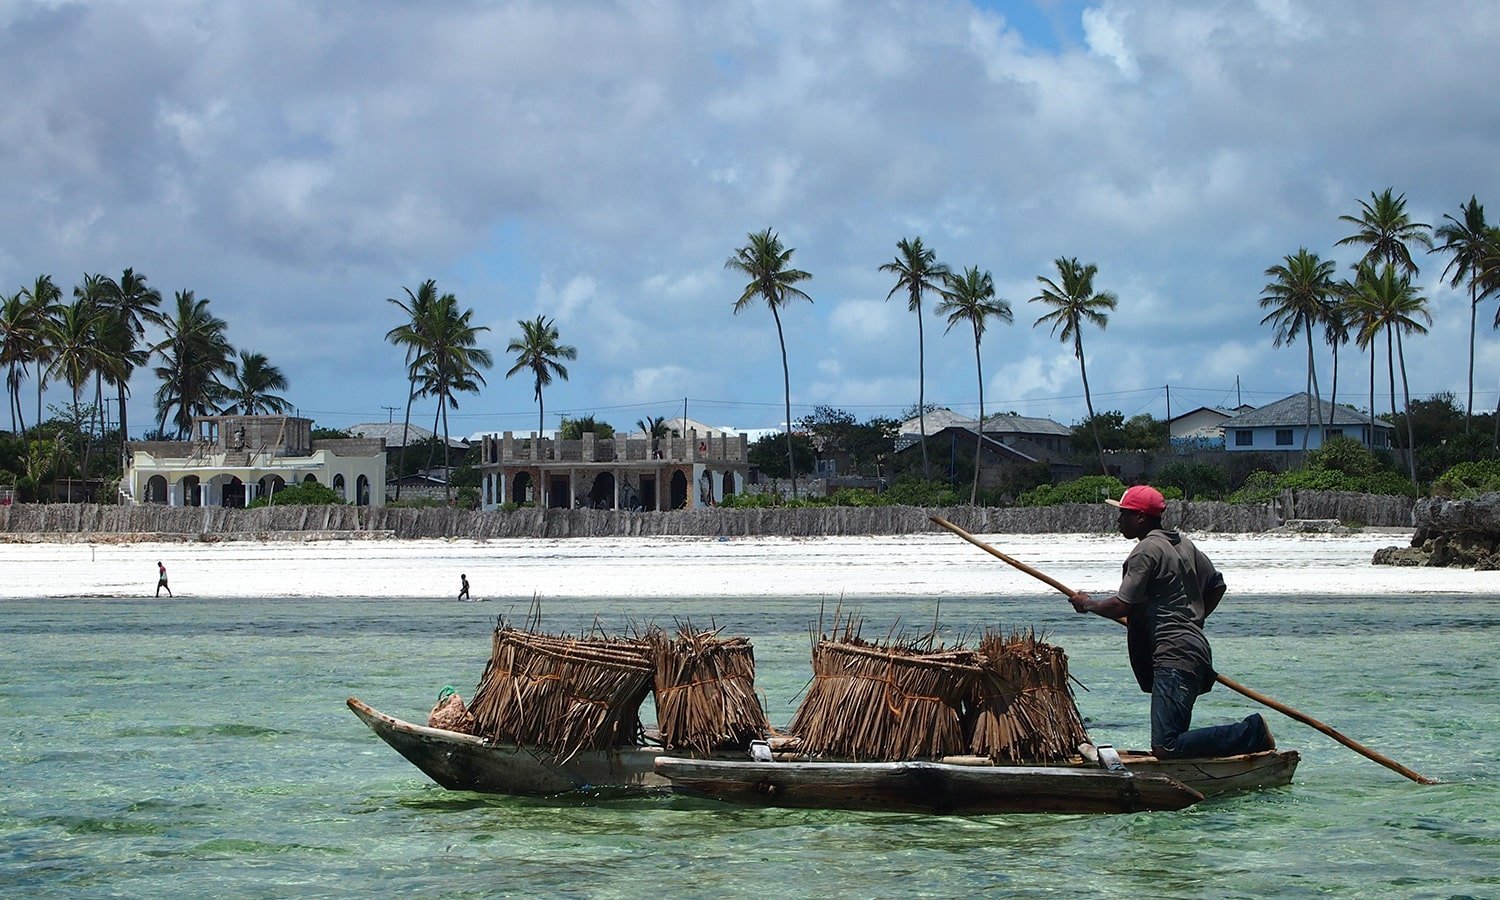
(705, 691)
(884, 701)
(561, 694)
(1022, 708)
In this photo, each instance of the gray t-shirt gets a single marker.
(1171, 587)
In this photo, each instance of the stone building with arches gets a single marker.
(632, 473)
(232, 460)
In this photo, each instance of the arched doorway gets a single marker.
(270, 486)
(678, 491)
(362, 491)
(602, 495)
(234, 494)
(156, 489)
(728, 485)
(309, 478)
(520, 488)
(192, 491)
(338, 487)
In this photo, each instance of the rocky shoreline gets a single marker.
(1451, 533)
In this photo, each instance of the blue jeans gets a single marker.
(1172, 695)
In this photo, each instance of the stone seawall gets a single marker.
(31, 522)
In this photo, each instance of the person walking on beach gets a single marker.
(161, 579)
(463, 590)
(1169, 587)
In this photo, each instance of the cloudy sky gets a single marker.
(300, 162)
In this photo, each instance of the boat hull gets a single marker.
(463, 762)
(926, 787)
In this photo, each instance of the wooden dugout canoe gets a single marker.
(463, 762)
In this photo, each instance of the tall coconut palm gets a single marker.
(78, 353)
(768, 265)
(16, 339)
(1075, 302)
(412, 335)
(135, 305)
(41, 301)
(970, 297)
(452, 362)
(538, 349)
(1385, 230)
(1298, 300)
(195, 358)
(254, 378)
(1391, 304)
(1467, 242)
(95, 292)
(917, 270)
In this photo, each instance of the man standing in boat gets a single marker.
(1169, 587)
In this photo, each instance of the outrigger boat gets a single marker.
(951, 785)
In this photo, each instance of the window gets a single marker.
(1283, 437)
(1244, 437)
(1333, 433)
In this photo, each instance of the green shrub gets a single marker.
(308, 493)
(1196, 480)
(1088, 489)
(1468, 479)
(908, 490)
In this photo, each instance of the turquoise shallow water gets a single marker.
(202, 747)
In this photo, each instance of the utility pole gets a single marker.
(390, 413)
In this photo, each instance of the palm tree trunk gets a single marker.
(411, 393)
(1411, 440)
(921, 392)
(1333, 395)
(124, 429)
(786, 384)
(1307, 387)
(431, 450)
(1088, 402)
(447, 467)
(1390, 371)
(979, 442)
(1473, 318)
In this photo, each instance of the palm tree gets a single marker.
(95, 292)
(1467, 241)
(1298, 302)
(412, 335)
(537, 348)
(135, 304)
(73, 335)
(1075, 302)
(767, 263)
(916, 269)
(970, 297)
(451, 363)
(195, 355)
(15, 354)
(654, 428)
(1385, 230)
(254, 380)
(1389, 303)
(42, 300)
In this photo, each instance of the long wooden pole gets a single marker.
(1258, 697)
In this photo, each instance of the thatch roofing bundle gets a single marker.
(705, 691)
(1022, 708)
(562, 694)
(891, 701)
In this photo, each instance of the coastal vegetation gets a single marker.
(112, 327)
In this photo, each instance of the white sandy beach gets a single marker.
(913, 565)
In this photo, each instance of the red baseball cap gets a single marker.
(1142, 499)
